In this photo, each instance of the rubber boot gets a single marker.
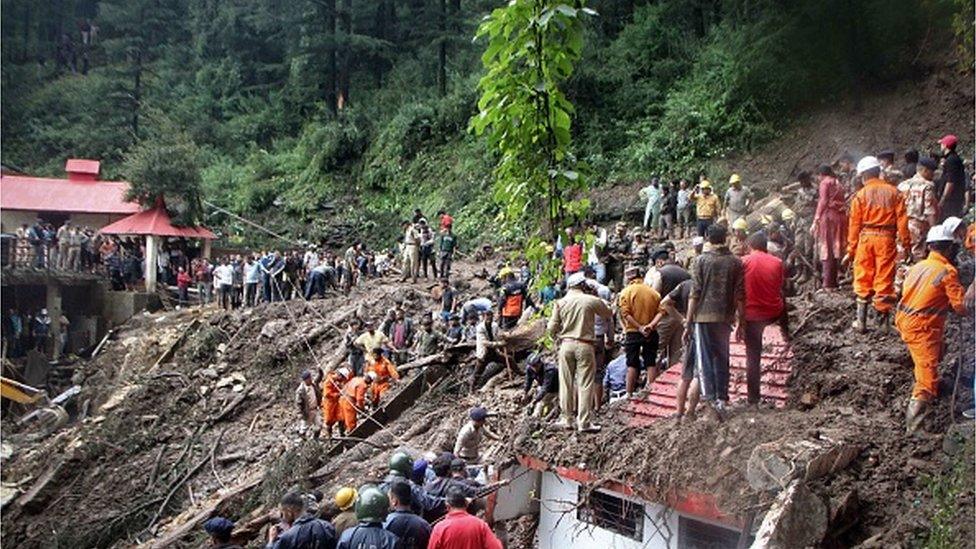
(915, 414)
(861, 322)
(883, 322)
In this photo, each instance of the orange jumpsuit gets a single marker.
(931, 288)
(331, 391)
(385, 372)
(877, 216)
(970, 241)
(353, 397)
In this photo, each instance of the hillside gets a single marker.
(328, 120)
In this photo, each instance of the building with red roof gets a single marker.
(80, 198)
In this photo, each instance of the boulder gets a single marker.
(797, 518)
(775, 464)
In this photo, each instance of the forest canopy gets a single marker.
(362, 109)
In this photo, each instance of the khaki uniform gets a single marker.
(307, 403)
(572, 324)
(411, 253)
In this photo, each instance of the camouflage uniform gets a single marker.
(617, 250)
(920, 205)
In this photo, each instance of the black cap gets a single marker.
(928, 162)
(887, 153)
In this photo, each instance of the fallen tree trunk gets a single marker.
(208, 511)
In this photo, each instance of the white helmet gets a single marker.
(867, 163)
(938, 234)
(951, 224)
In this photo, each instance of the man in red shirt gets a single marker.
(460, 530)
(572, 253)
(446, 220)
(763, 281)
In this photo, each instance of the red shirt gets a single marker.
(573, 258)
(459, 530)
(763, 282)
(183, 280)
(446, 221)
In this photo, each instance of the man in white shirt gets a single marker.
(223, 277)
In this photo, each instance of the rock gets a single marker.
(221, 348)
(797, 518)
(208, 373)
(225, 382)
(274, 328)
(844, 513)
(204, 389)
(809, 399)
(8, 493)
(773, 465)
(117, 397)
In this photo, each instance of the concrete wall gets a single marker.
(521, 496)
(560, 529)
(117, 307)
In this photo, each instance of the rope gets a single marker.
(249, 222)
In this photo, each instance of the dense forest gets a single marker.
(318, 116)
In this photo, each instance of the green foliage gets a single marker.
(531, 48)
(166, 165)
(946, 490)
(661, 86)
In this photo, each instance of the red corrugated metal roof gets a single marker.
(776, 369)
(155, 222)
(19, 192)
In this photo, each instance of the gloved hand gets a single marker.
(846, 261)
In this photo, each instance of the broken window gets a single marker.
(695, 534)
(611, 512)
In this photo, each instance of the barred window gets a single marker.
(610, 512)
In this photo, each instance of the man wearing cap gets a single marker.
(219, 529)
(889, 172)
(638, 304)
(707, 206)
(467, 445)
(571, 326)
(307, 399)
(618, 250)
(876, 220)
(687, 257)
(920, 204)
(737, 199)
(512, 299)
(930, 290)
(951, 188)
(371, 505)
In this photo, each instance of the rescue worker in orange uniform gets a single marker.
(385, 373)
(354, 399)
(331, 392)
(877, 218)
(931, 288)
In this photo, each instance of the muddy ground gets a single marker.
(159, 445)
(845, 388)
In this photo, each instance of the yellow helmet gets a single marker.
(705, 184)
(505, 272)
(740, 224)
(787, 214)
(345, 498)
(735, 178)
